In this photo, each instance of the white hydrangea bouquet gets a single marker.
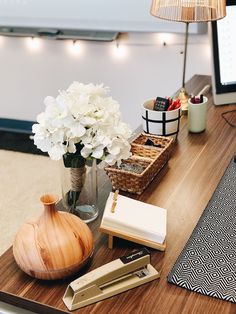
(82, 124)
(84, 118)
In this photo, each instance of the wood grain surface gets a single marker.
(183, 187)
(54, 245)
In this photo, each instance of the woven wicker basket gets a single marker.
(150, 158)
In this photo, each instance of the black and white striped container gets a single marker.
(164, 123)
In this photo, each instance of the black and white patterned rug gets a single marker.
(207, 263)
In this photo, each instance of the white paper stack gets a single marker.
(135, 218)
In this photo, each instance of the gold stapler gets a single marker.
(110, 279)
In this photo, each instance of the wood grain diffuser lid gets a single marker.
(53, 246)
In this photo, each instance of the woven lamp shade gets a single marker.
(189, 10)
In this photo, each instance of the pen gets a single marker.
(197, 99)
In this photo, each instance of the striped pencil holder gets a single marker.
(163, 123)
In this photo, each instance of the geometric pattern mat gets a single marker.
(207, 263)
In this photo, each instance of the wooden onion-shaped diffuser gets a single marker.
(55, 245)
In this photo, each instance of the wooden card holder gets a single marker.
(116, 233)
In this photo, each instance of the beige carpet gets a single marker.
(23, 179)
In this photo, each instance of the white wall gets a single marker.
(146, 70)
(118, 15)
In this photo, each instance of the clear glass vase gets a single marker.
(80, 190)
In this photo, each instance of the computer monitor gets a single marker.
(224, 57)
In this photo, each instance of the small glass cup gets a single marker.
(197, 116)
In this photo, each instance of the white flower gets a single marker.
(98, 152)
(43, 143)
(114, 148)
(71, 147)
(56, 152)
(79, 105)
(83, 114)
(90, 89)
(86, 150)
(77, 130)
(110, 159)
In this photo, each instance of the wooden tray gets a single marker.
(116, 233)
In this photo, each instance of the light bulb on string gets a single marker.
(165, 38)
(1, 40)
(75, 47)
(120, 51)
(34, 44)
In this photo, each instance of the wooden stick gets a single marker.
(113, 206)
(110, 241)
(115, 197)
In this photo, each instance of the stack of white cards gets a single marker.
(135, 218)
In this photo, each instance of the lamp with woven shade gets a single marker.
(188, 11)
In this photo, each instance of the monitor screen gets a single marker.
(224, 56)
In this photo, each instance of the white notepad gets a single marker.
(136, 218)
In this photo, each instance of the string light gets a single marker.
(1, 40)
(33, 43)
(120, 51)
(75, 47)
(165, 38)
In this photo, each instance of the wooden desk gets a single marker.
(184, 188)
